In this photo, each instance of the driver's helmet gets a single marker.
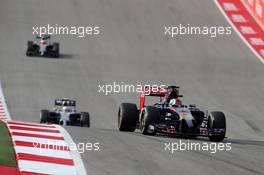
(43, 38)
(175, 102)
(66, 109)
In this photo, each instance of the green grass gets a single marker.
(7, 152)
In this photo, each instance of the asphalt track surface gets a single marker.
(220, 74)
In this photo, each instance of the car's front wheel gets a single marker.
(85, 119)
(217, 125)
(127, 117)
(150, 118)
(44, 114)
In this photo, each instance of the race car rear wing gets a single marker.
(64, 102)
(163, 92)
(154, 91)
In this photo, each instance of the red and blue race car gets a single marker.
(169, 116)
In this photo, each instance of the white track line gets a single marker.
(39, 140)
(39, 133)
(33, 127)
(4, 109)
(46, 168)
(43, 152)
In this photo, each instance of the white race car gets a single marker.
(42, 46)
(65, 113)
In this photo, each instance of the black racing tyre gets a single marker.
(198, 116)
(217, 120)
(127, 117)
(56, 49)
(29, 48)
(44, 114)
(85, 119)
(151, 116)
(29, 44)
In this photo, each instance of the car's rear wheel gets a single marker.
(150, 118)
(217, 121)
(127, 117)
(29, 44)
(44, 114)
(56, 50)
(85, 119)
(29, 48)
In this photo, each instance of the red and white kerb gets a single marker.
(41, 149)
(4, 114)
(245, 25)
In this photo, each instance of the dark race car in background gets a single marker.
(42, 46)
(65, 113)
(170, 117)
